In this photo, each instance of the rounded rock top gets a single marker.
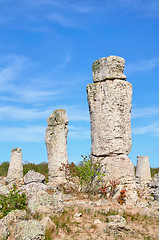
(58, 117)
(19, 150)
(108, 68)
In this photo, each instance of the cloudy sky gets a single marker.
(47, 48)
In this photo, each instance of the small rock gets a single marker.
(47, 223)
(29, 230)
(78, 215)
(33, 176)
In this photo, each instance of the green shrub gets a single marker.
(4, 169)
(13, 201)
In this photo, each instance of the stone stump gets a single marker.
(15, 171)
(143, 172)
(56, 143)
(109, 99)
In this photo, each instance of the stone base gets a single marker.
(120, 168)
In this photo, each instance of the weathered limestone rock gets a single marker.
(56, 143)
(143, 173)
(111, 67)
(117, 167)
(29, 230)
(154, 187)
(15, 170)
(4, 233)
(32, 176)
(46, 204)
(109, 99)
(110, 114)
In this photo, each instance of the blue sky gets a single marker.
(47, 48)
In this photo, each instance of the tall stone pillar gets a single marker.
(15, 170)
(56, 143)
(143, 173)
(109, 99)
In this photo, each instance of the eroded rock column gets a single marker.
(143, 173)
(15, 170)
(109, 99)
(56, 143)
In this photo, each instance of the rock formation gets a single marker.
(15, 170)
(56, 143)
(109, 99)
(143, 173)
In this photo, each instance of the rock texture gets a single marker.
(111, 67)
(15, 170)
(143, 173)
(56, 143)
(110, 114)
(154, 187)
(32, 176)
(29, 230)
(109, 99)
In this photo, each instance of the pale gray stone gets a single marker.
(56, 143)
(143, 172)
(31, 189)
(118, 167)
(15, 170)
(44, 203)
(4, 233)
(32, 176)
(4, 190)
(14, 217)
(106, 68)
(29, 230)
(110, 115)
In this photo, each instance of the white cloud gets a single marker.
(146, 112)
(12, 113)
(152, 129)
(142, 65)
(22, 134)
(78, 133)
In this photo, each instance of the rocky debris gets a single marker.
(4, 190)
(45, 204)
(56, 143)
(4, 233)
(33, 188)
(32, 176)
(143, 173)
(14, 217)
(154, 187)
(47, 223)
(107, 68)
(15, 170)
(29, 230)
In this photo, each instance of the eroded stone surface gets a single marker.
(110, 114)
(56, 143)
(143, 173)
(29, 230)
(15, 170)
(105, 68)
(32, 176)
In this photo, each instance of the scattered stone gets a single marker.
(4, 233)
(109, 68)
(44, 203)
(29, 230)
(32, 176)
(4, 190)
(47, 223)
(33, 188)
(15, 170)
(14, 217)
(143, 173)
(154, 187)
(56, 143)
(78, 215)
